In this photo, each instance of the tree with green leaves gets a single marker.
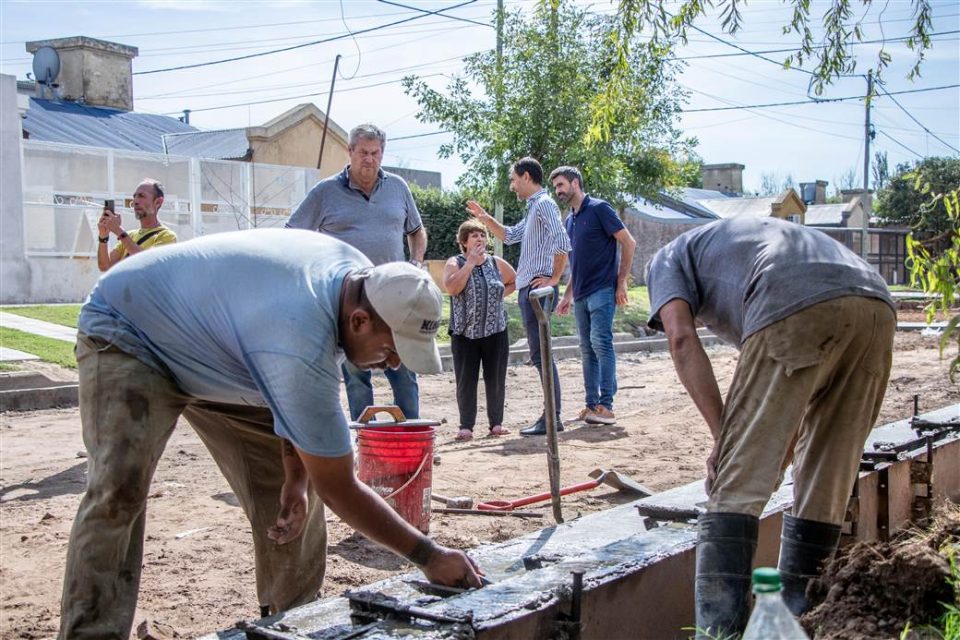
(902, 203)
(537, 100)
(935, 262)
(831, 58)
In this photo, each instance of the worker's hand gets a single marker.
(112, 221)
(476, 210)
(293, 513)
(564, 307)
(452, 568)
(476, 256)
(712, 467)
(621, 293)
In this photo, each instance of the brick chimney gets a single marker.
(814, 192)
(95, 72)
(865, 196)
(727, 177)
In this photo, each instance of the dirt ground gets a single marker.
(198, 568)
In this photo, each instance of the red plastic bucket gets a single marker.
(397, 463)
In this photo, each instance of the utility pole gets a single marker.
(867, 208)
(501, 173)
(326, 116)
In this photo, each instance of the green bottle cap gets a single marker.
(766, 580)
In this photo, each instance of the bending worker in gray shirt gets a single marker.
(814, 325)
(373, 211)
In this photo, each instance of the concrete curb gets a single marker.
(40, 398)
(520, 355)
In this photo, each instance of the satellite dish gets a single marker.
(46, 65)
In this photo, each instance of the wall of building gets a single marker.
(299, 146)
(651, 235)
(14, 271)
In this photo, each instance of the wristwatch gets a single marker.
(122, 236)
(417, 264)
(103, 239)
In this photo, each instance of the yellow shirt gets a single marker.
(163, 236)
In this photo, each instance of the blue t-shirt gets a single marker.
(248, 317)
(593, 259)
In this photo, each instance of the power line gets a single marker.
(887, 135)
(299, 46)
(796, 102)
(436, 13)
(745, 52)
(919, 124)
(305, 95)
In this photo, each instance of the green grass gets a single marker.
(48, 349)
(62, 314)
(8, 366)
(627, 319)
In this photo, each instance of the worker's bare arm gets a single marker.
(357, 505)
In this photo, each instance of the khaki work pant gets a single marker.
(818, 375)
(128, 411)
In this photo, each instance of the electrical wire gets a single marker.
(919, 124)
(796, 102)
(299, 46)
(436, 13)
(887, 135)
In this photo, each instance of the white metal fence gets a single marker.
(64, 187)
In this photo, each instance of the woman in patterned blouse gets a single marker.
(477, 283)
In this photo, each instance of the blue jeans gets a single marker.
(594, 315)
(533, 339)
(406, 391)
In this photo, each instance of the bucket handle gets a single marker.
(413, 477)
(368, 413)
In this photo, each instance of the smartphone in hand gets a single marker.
(109, 206)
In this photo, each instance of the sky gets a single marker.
(806, 142)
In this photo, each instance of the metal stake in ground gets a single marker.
(543, 313)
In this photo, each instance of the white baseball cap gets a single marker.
(411, 305)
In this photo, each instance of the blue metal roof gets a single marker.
(226, 144)
(73, 123)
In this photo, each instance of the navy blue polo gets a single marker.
(593, 259)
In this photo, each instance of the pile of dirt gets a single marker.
(877, 589)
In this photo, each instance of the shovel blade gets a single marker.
(620, 482)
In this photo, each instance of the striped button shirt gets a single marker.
(542, 235)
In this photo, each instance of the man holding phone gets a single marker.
(147, 200)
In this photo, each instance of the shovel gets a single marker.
(536, 297)
(601, 476)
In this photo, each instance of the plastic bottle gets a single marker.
(771, 620)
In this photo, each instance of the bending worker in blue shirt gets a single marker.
(253, 363)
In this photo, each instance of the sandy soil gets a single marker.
(198, 569)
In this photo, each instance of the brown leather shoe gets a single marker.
(601, 415)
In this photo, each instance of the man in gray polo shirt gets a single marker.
(814, 325)
(373, 211)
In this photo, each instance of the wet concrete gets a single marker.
(636, 582)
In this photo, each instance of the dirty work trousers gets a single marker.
(128, 411)
(818, 375)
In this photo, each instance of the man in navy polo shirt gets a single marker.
(598, 283)
(373, 211)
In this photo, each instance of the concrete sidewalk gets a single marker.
(38, 327)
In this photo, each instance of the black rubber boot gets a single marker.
(804, 546)
(725, 546)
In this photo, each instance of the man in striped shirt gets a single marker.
(543, 256)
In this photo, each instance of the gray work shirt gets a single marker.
(376, 225)
(743, 274)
